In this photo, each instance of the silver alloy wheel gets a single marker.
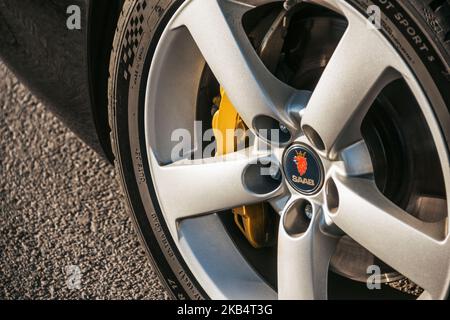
(190, 193)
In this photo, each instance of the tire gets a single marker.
(172, 271)
(423, 42)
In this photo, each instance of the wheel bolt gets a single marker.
(271, 129)
(276, 174)
(283, 128)
(296, 221)
(308, 211)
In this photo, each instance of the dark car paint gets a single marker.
(67, 69)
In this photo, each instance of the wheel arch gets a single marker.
(103, 16)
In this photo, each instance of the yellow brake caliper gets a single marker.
(254, 221)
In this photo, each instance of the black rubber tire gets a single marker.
(423, 40)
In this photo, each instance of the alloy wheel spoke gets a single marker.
(414, 248)
(357, 160)
(303, 262)
(349, 85)
(216, 27)
(190, 188)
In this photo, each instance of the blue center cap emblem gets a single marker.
(303, 169)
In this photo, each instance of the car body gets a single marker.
(68, 69)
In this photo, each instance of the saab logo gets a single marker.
(309, 182)
(301, 162)
(303, 168)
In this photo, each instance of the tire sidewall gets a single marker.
(135, 42)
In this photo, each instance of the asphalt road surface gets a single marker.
(64, 232)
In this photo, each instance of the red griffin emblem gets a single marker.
(301, 162)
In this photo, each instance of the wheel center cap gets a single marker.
(303, 169)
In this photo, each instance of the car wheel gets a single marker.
(345, 103)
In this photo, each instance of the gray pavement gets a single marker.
(64, 232)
